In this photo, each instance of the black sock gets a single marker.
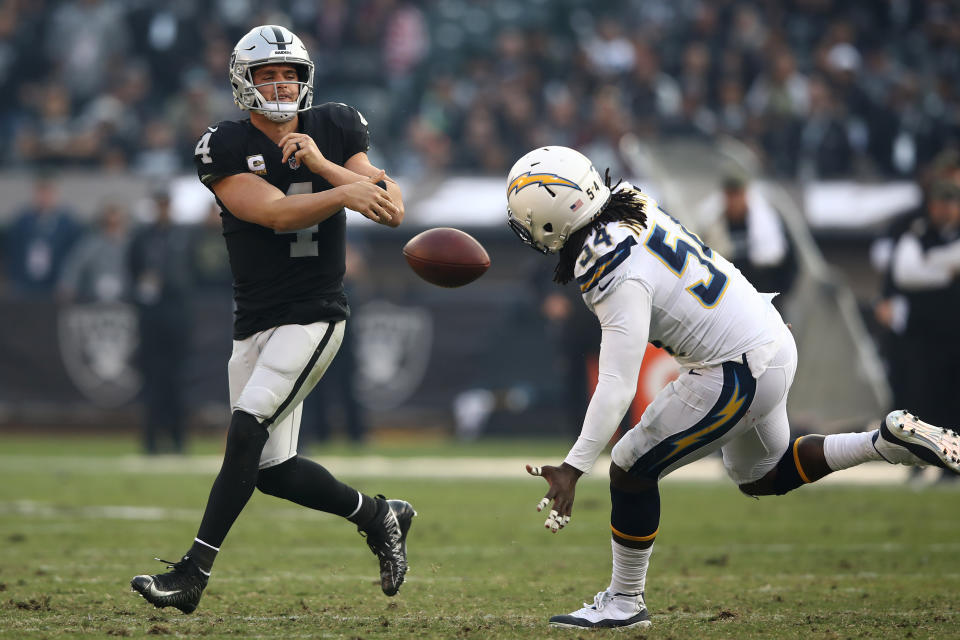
(366, 512)
(237, 478)
(203, 555)
(309, 484)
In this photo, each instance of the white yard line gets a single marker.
(706, 470)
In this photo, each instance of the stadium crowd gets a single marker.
(820, 89)
(823, 88)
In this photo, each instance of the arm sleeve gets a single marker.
(914, 270)
(624, 317)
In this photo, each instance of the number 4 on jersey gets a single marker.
(305, 245)
(203, 147)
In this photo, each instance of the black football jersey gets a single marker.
(283, 278)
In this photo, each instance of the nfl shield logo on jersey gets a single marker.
(97, 343)
(293, 162)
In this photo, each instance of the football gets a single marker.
(446, 257)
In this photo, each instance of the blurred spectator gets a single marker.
(560, 127)
(609, 52)
(696, 117)
(926, 268)
(429, 152)
(574, 338)
(732, 117)
(891, 310)
(889, 76)
(158, 157)
(608, 123)
(405, 43)
(779, 98)
(114, 118)
(84, 36)
(211, 264)
(95, 270)
(781, 91)
(482, 148)
(38, 241)
(52, 135)
(200, 103)
(654, 95)
(159, 262)
(824, 151)
(744, 228)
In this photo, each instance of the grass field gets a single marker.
(78, 518)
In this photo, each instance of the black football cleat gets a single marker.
(181, 587)
(386, 536)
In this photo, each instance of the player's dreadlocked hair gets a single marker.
(622, 205)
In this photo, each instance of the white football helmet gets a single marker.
(552, 192)
(270, 44)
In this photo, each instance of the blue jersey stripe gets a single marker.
(605, 264)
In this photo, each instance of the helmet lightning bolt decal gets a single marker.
(543, 179)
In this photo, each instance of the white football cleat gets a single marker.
(905, 439)
(608, 610)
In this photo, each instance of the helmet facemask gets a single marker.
(257, 49)
(524, 230)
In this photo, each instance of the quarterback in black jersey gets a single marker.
(283, 179)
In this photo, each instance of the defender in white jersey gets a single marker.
(647, 278)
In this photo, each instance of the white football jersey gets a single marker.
(704, 311)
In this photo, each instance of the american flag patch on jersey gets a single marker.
(576, 205)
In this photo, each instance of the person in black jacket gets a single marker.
(926, 269)
(161, 279)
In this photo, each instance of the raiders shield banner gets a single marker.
(97, 344)
(393, 348)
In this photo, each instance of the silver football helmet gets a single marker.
(552, 192)
(270, 44)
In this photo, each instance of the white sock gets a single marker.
(845, 450)
(629, 569)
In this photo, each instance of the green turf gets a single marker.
(831, 562)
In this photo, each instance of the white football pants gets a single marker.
(272, 371)
(721, 407)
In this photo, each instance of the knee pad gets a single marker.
(273, 480)
(635, 515)
(246, 435)
(789, 473)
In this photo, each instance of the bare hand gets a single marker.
(304, 149)
(563, 485)
(370, 200)
(883, 312)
